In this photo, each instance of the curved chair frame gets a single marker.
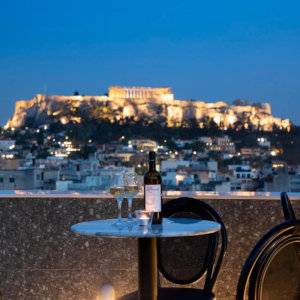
(214, 263)
(261, 271)
(287, 207)
(260, 257)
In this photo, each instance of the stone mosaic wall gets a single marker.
(41, 259)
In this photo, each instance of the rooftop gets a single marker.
(41, 258)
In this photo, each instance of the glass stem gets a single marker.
(119, 201)
(129, 207)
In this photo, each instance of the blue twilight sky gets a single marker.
(206, 50)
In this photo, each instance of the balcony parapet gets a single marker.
(166, 195)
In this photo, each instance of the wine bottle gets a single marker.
(152, 190)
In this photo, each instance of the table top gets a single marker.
(170, 227)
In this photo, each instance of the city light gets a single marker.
(180, 159)
(7, 156)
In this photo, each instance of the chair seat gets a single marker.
(176, 294)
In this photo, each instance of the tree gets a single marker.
(29, 122)
(40, 138)
(198, 146)
(86, 151)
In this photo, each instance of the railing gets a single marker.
(41, 258)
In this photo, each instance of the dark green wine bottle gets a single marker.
(152, 190)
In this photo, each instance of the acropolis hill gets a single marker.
(143, 103)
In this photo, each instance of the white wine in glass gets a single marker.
(131, 190)
(117, 190)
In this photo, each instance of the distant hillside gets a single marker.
(149, 105)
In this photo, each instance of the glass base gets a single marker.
(119, 223)
(129, 219)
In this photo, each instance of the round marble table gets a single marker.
(170, 227)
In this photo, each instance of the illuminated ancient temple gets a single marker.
(146, 103)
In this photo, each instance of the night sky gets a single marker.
(208, 50)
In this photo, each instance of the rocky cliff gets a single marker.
(140, 103)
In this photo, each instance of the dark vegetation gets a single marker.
(105, 131)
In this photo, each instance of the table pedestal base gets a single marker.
(147, 269)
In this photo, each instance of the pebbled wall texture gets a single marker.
(41, 259)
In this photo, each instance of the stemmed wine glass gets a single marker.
(131, 189)
(117, 190)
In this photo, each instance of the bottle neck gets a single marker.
(152, 165)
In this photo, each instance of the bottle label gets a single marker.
(153, 197)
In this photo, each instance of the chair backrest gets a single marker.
(186, 259)
(287, 207)
(272, 270)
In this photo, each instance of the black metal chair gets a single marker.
(186, 260)
(272, 270)
(287, 207)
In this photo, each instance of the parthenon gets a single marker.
(140, 92)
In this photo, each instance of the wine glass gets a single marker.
(131, 189)
(116, 189)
